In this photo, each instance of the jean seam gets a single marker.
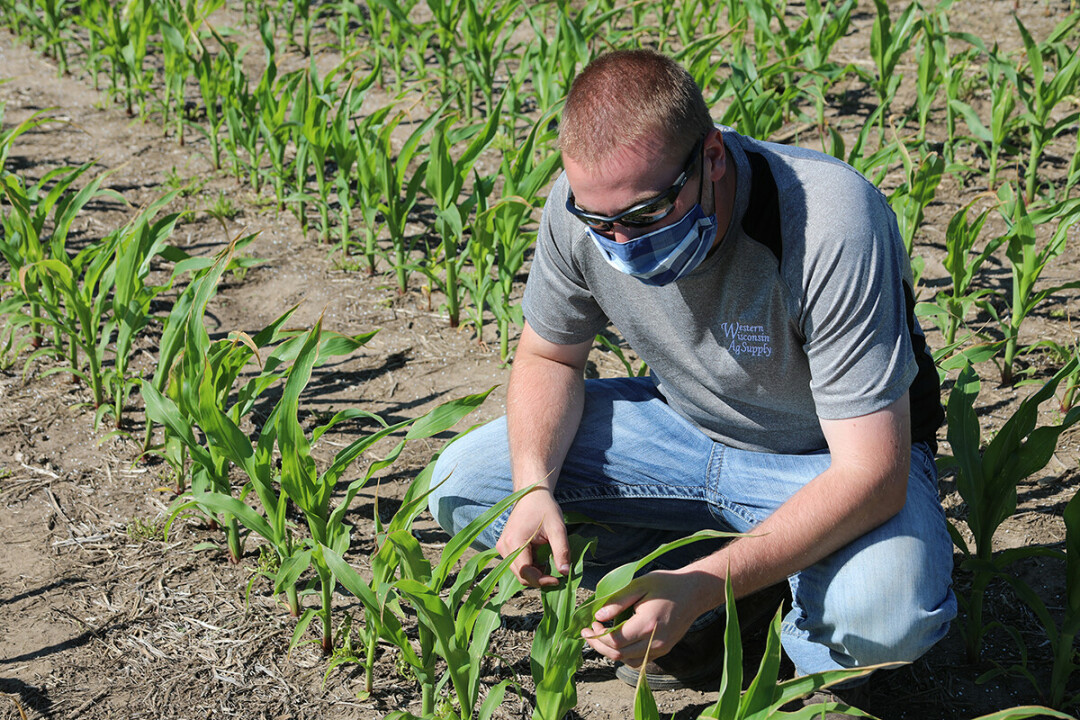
(633, 493)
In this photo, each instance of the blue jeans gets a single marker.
(646, 475)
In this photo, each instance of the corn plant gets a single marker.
(398, 196)
(137, 245)
(523, 176)
(311, 491)
(488, 32)
(447, 16)
(124, 32)
(617, 351)
(458, 632)
(687, 19)
(963, 264)
(556, 650)
(888, 43)
(930, 75)
(207, 274)
(258, 462)
(766, 695)
(310, 116)
(987, 481)
(459, 628)
(273, 96)
(66, 293)
(378, 596)
(444, 181)
(52, 26)
(478, 274)
(1042, 95)
(177, 68)
(394, 37)
(909, 201)
(1027, 264)
(215, 73)
(824, 25)
(1002, 78)
(561, 52)
(344, 151)
(201, 375)
(759, 103)
(557, 643)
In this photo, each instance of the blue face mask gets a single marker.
(665, 255)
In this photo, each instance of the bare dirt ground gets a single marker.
(103, 617)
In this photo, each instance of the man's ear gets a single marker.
(715, 155)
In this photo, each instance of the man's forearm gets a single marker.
(864, 487)
(543, 411)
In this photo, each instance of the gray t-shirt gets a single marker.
(804, 311)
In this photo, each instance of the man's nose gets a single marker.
(623, 234)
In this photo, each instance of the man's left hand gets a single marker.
(665, 604)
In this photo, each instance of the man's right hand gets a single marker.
(535, 521)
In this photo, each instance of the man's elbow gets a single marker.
(892, 491)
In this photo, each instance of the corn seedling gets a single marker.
(523, 175)
(1002, 78)
(398, 196)
(963, 263)
(460, 635)
(1042, 94)
(1028, 262)
(311, 491)
(50, 20)
(459, 628)
(444, 181)
(488, 31)
(258, 462)
(987, 480)
(207, 274)
(888, 43)
(617, 351)
(138, 243)
(909, 201)
(765, 695)
(556, 649)
(200, 376)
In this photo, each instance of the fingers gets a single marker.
(622, 601)
(615, 646)
(560, 547)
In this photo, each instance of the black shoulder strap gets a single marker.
(762, 219)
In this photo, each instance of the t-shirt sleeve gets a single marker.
(854, 311)
(558, 303)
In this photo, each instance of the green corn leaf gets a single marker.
(164, 412)
(216, 502)
(644, 702)
(389, 625)
(301, 627)
(963, 430)
(493, 700)
(1071, 516)
(1025, 711)
(415, 565)
(728, 703)
(228, 438)
(762, 692)
(291, 569)
(465, 537)
(619, 578)
(446, 415)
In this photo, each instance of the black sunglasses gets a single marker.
(645, 213)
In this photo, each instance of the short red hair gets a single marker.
(632, 98)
